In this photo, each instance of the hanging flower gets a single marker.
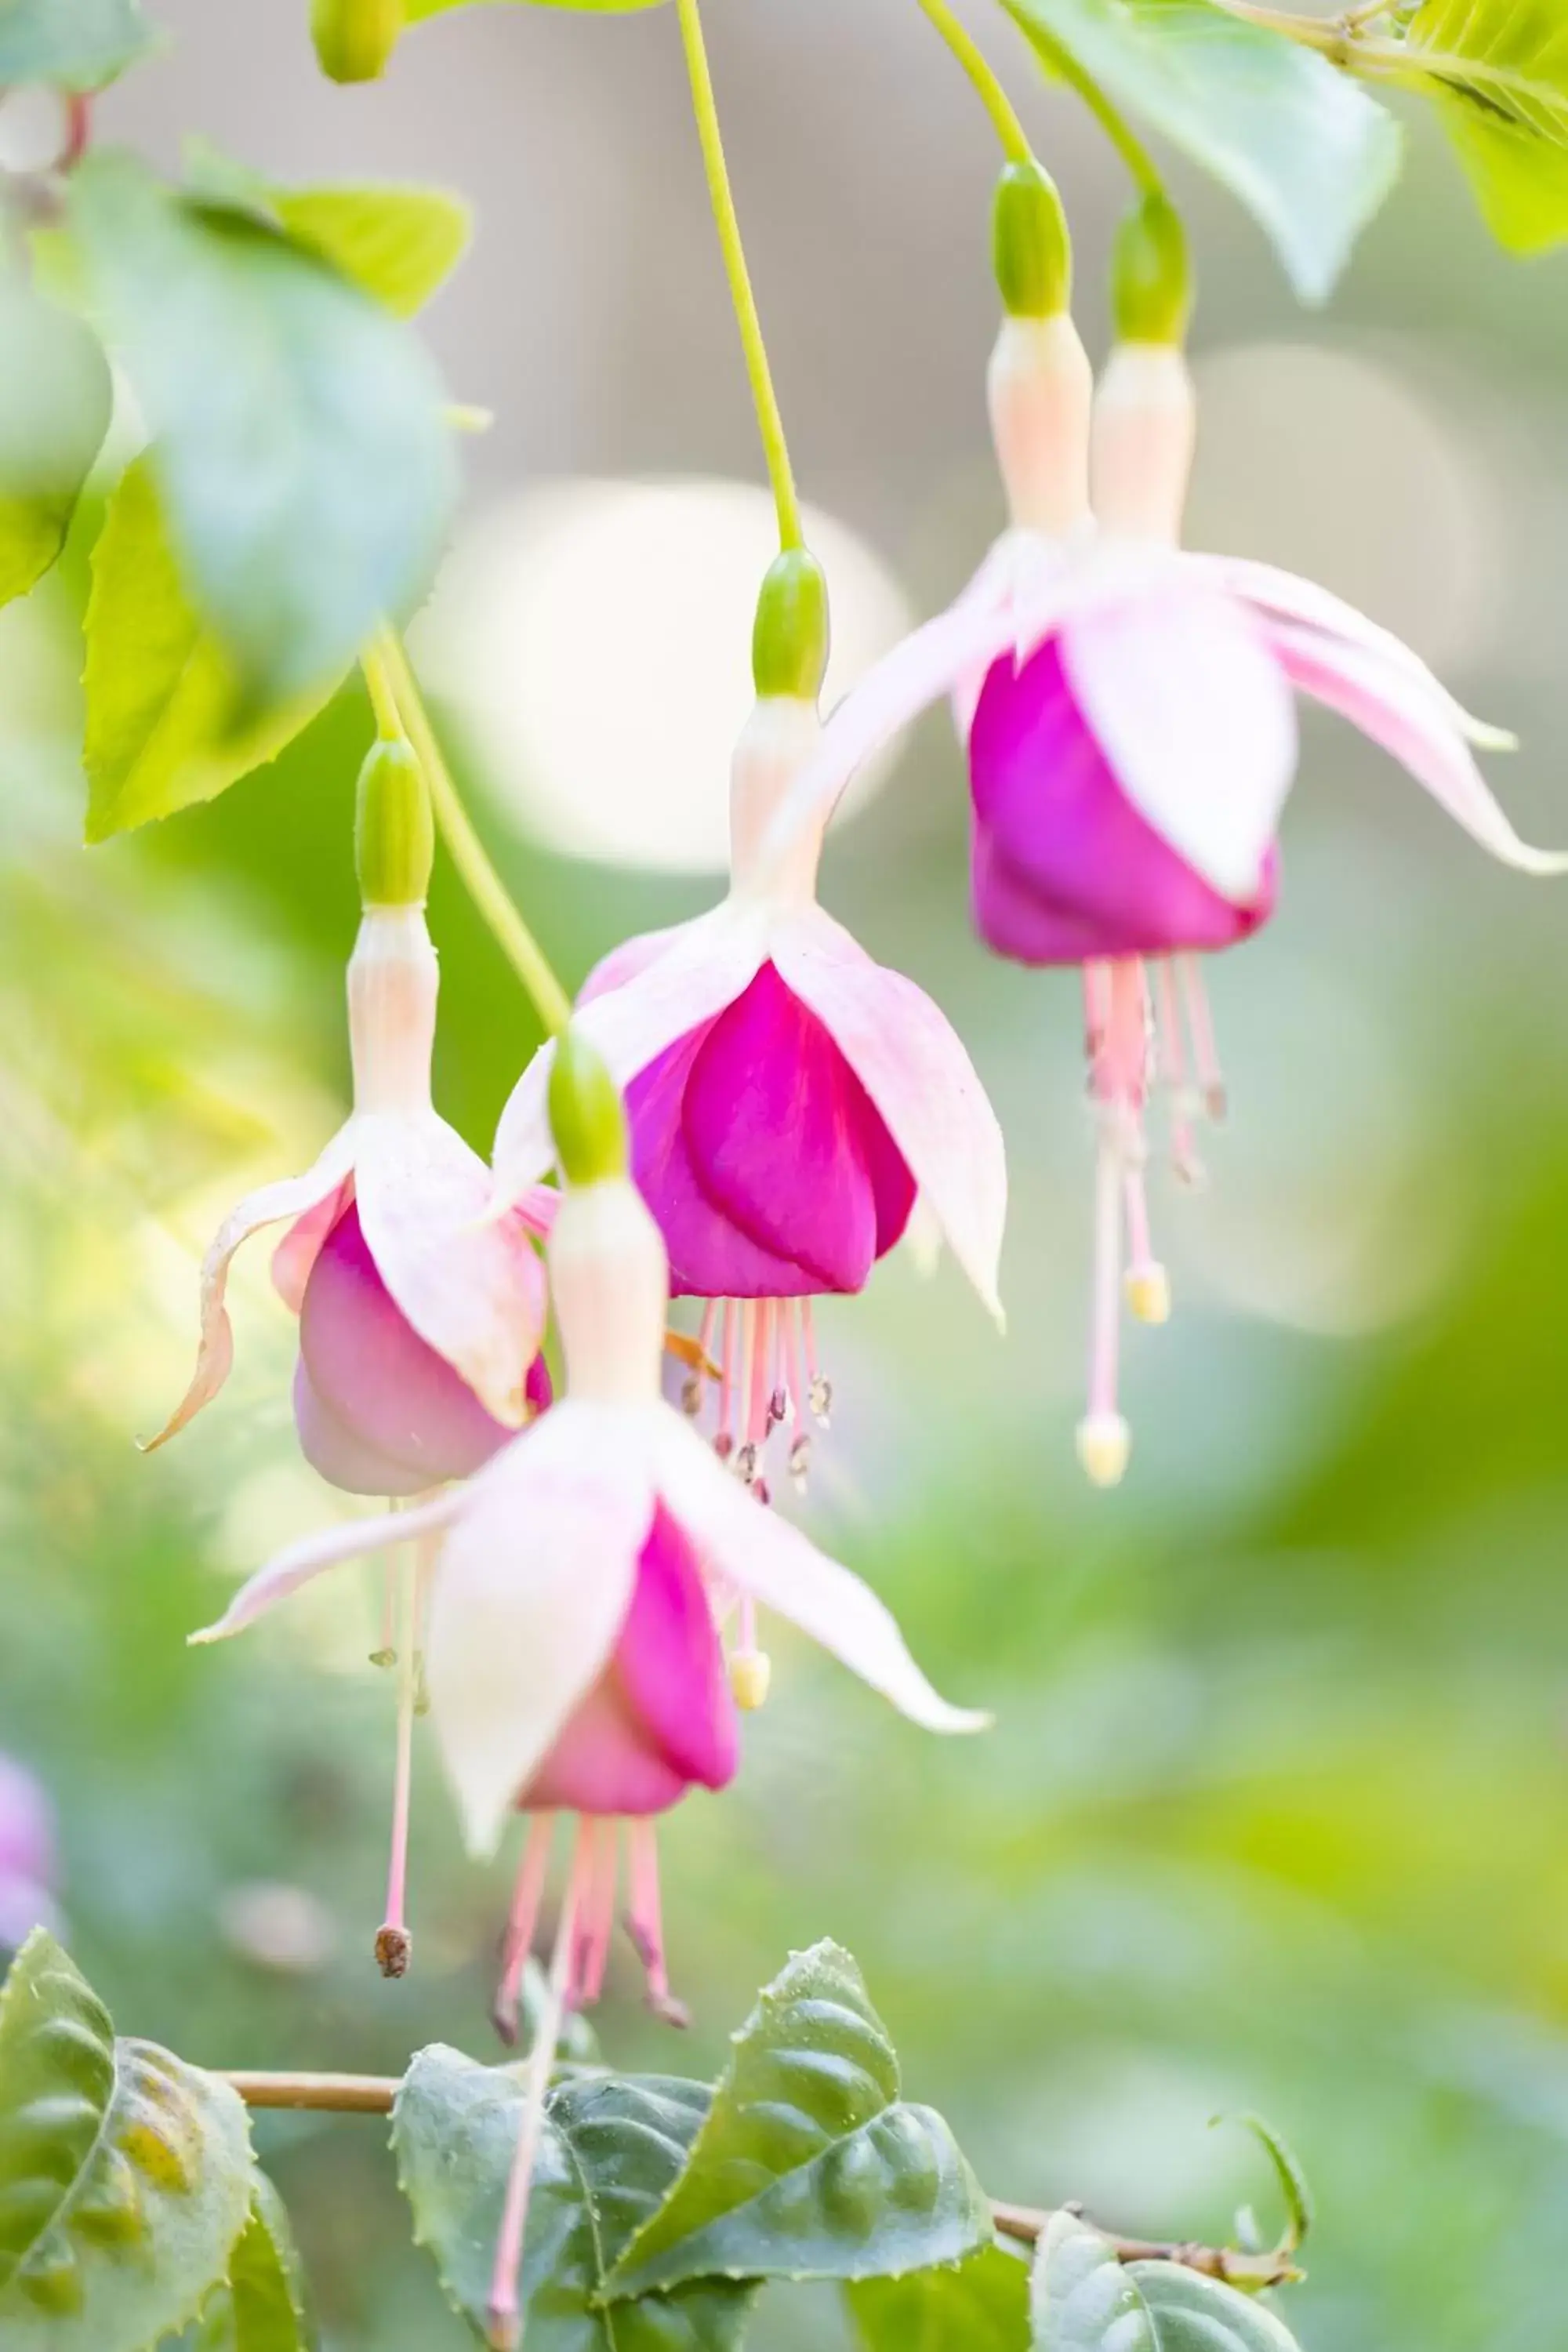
(572, 1653)
(420, 1319)
(789, 1099)
(1128, 711)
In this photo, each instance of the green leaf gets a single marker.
(260, 2306)
(399, 244)
(1294, 2186)
(299, 436)
(609, 2150)
(78, 44)
(167, 724)
(415, 11)
(125, 2174)
(981, 2304)
(1084, 2300)
(1497, 73)
(55, 398)
(809, 2165)
(1310, 156)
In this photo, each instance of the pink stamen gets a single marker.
(504, 2314)
(598, 1917)
(758, 1422)
(393, 1943)
(522, 1922)
(1171, 1063)
(1107, 1320)
(1140, 1250)
(645, 1921)
(727, 1367)
(1204, 1054)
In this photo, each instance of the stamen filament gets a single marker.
(393, 1943)
(522, 1922)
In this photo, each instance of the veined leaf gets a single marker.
(981, 2304)
(1310, 156)
(1497, 72)
(260, 2306)
(77, 45)
(809, 2164)
(609, 2150)
(1084, 2300)
(125, 2175)
(300, 436)
(400, 244)
(166, 724)
(56, 397)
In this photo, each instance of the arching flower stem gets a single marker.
(1009, 130)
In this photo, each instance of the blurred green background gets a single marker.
(1275, 1816)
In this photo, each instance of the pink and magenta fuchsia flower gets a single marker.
(1128, 711)
(573, 1659)
(420, 1320)
(789, 1100)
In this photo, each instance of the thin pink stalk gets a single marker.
(520, 1924)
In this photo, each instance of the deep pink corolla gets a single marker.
(659, 1720)
(1064, 869)
(378, 1410)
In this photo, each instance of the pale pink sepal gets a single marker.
(534, 1584)
(708, 964)
(301, 1246)
(472, 1287)
(759, 1553)
(627, 962)
(1191, 709)
(1009, 576)
(911, 1063)
(292, 1197)
(1392, 709)
(1285, 596)
(305, 1561)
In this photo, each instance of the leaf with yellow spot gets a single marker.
(125, 2175)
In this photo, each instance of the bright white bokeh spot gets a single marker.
(592, 643)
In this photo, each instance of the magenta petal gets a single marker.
(786, 1141)
(660, 1718)
(370, 1382)
(1064, 867)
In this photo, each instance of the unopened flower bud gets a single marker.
(587, 1116)
(394, 834)
(789, 635)
(355, 39)
(1040, 388)
(1151, 274)
(1030, 246)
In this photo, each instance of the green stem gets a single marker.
(467, 851)
(1114, 124)
(991, 96)
(770, 423)
(382, 699)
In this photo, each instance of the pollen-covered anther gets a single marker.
(800, 1462)
(384, 1658)
(394, 1950)
(821, 1401)
(746, 1462)
(1104, 1444)
(751, 1679)
(691, 1396)
(778, 1407)
(1147, 1290)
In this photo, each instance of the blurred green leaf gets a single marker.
(165, 720)
(260, 2306)
(399, 243)
(1310, 157)
(609, 2150)
(809, 2165)
(981, 2304)
(125, 2174)
(78, 45)
(309, 476)
(1084, 2300)
(1497, 74)
(1293, 2183)
(55, 398)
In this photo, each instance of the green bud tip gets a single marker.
(587, 1116)
(355, 39)
(1151, 274)
(789, 640)
(394, 834)
(1030, 246)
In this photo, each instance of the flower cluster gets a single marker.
(747, 1111)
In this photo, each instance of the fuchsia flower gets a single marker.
(420, 1320)
(789, 1098)
(573, 1659)
(1128, 715)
